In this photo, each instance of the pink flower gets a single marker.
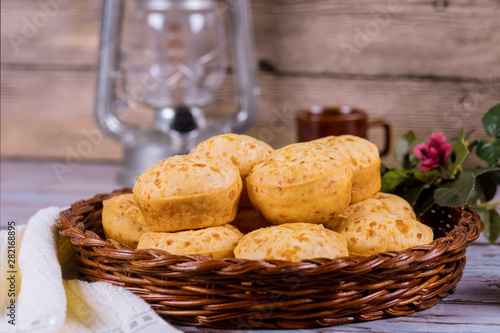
(433, 154)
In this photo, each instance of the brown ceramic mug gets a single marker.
(320, 121)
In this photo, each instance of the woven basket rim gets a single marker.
(240, 293)
(468, 230)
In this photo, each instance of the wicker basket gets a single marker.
(237, 293)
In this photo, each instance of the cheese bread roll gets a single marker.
(365, 160)
(371, 233)
(122, 220)
(302, 182)
(186, 192)
(379, 203)
(292, 242)
(242, 150)
(215, 242)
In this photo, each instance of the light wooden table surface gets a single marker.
(474, 307)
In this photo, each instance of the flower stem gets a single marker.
(487, 205)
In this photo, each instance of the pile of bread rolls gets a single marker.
(234, 196)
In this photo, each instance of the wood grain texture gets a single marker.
(458, 39)
(46, 113)
(434, 66)
(27, 187)
(68, 37)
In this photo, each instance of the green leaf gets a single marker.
(484, 214)
(414, 193)
(468, 134)
(487, 185)
(495, 171)
(457, 193)
(392, 179)
(425, 201)
(426, 177)
(485, 188)
(491, 121)
(384, 168)
(496, 177)
(491, 220)
(494, 225)
(460, 152)
(476, 196)
(489, 152)
(473, 145)
(404, 150)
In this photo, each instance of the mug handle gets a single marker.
(388, 134)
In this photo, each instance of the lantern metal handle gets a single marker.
(244, 66)
(108, 72)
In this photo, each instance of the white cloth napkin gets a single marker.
(46, 295)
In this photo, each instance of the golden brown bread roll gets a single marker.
(291, 242)
(371, 233)
(122, 220)
(242, 150)
(365, 160)
(186, 192)
(249, 219)
(215, 242)
(302, 182)
(379, 203)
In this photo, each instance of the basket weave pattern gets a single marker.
(238, 293)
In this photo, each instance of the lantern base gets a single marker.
(153, 145)
(141, 155)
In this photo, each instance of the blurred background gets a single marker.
(422, 65)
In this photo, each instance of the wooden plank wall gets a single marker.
(425, 65)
